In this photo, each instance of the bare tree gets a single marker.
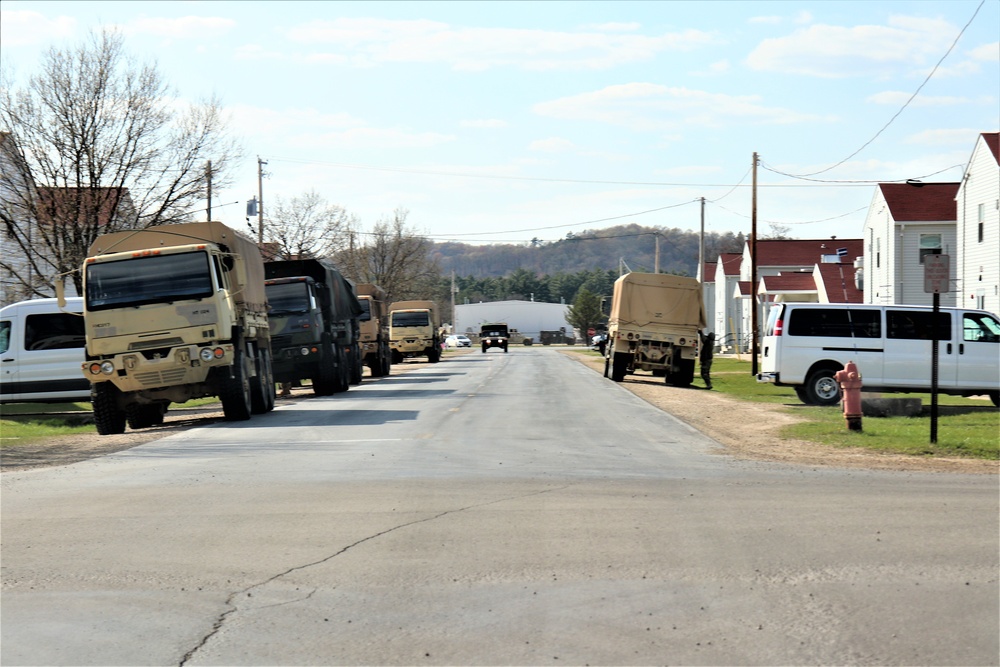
(103, 146)
(394, 257)
(306, 226)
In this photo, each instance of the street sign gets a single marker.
(936, 274)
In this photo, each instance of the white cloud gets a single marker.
(955, 137)
(368, 41)
(485, 123)
(22, 27)
(987, 53)
(765, 20)
(896, 98)
(552, 145)
(837, 51)
(184, 27)
(648, 106)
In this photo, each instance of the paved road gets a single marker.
(490, 509)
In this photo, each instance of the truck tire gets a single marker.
(397, 357)
(259, 385)
(821, 388)
(619, 366)
(357, 369)
(684, 375)
(325, 381)
(343, 375)
(386, 360)
(235, 389)
(108, 417)
(145, 415)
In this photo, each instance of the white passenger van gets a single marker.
(804, 344)
(41, 352)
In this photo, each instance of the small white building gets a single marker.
(527, 317)
(905, 223)
(977, 247)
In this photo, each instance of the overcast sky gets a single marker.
(507, 121)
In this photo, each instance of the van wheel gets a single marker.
(108, 417)
(802, 394)
(822, 389)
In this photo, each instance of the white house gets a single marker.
(905, 223)
(726, 316)
(977, 247)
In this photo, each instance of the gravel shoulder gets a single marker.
(744, 429)
(751, 430)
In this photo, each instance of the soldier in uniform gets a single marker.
(705, 357)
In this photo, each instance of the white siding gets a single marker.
(880, 287)
(909, 269)
(978, 262)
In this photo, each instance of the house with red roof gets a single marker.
(905, 223)
(726, 316)
(809, 270)
(977, 245)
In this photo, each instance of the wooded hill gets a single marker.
(587, 251)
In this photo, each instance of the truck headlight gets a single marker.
(105, 367)
(304, 351)
(206, 354)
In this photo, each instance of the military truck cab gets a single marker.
(494, 335)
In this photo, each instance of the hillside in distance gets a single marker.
(588, 250)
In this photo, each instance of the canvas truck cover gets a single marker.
(345, 304)
(374, 291)
(250, 292)
(643, 299)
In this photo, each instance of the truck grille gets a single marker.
(163, 378)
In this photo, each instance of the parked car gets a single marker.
(42, 350)
(805, 344)
(457, 340)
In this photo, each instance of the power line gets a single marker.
(905, 105)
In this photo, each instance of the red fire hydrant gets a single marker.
(850, 388)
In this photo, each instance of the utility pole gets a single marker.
(208, 188)
(260, 200)
(753, 271)
(701, 245)
(656, 262)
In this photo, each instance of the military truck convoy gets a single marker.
(172, 313)
(654, 324)
(415, 330)
(185, 311)
(375, 329)
(315, 331)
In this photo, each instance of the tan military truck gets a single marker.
(375, 329)
(414, 330)
(653, 326)
(172, 313)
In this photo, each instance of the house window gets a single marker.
(930, 244)
(878, 253)
(982, 220)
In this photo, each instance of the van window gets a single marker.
(916, 324)
(4, 336)
(54, 331)
(981, 328)
(835, 323)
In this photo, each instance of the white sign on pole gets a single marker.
(936, 274)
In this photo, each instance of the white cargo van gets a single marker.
(41, 352)
(804, 344)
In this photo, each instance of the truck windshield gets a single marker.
(288, 298)
(150, 279)
(366, 310)
(404, 319)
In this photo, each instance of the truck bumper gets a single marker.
(183, 365)
(412, 345)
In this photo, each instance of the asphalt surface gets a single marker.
(489, 509)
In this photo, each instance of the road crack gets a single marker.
(230, 602)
